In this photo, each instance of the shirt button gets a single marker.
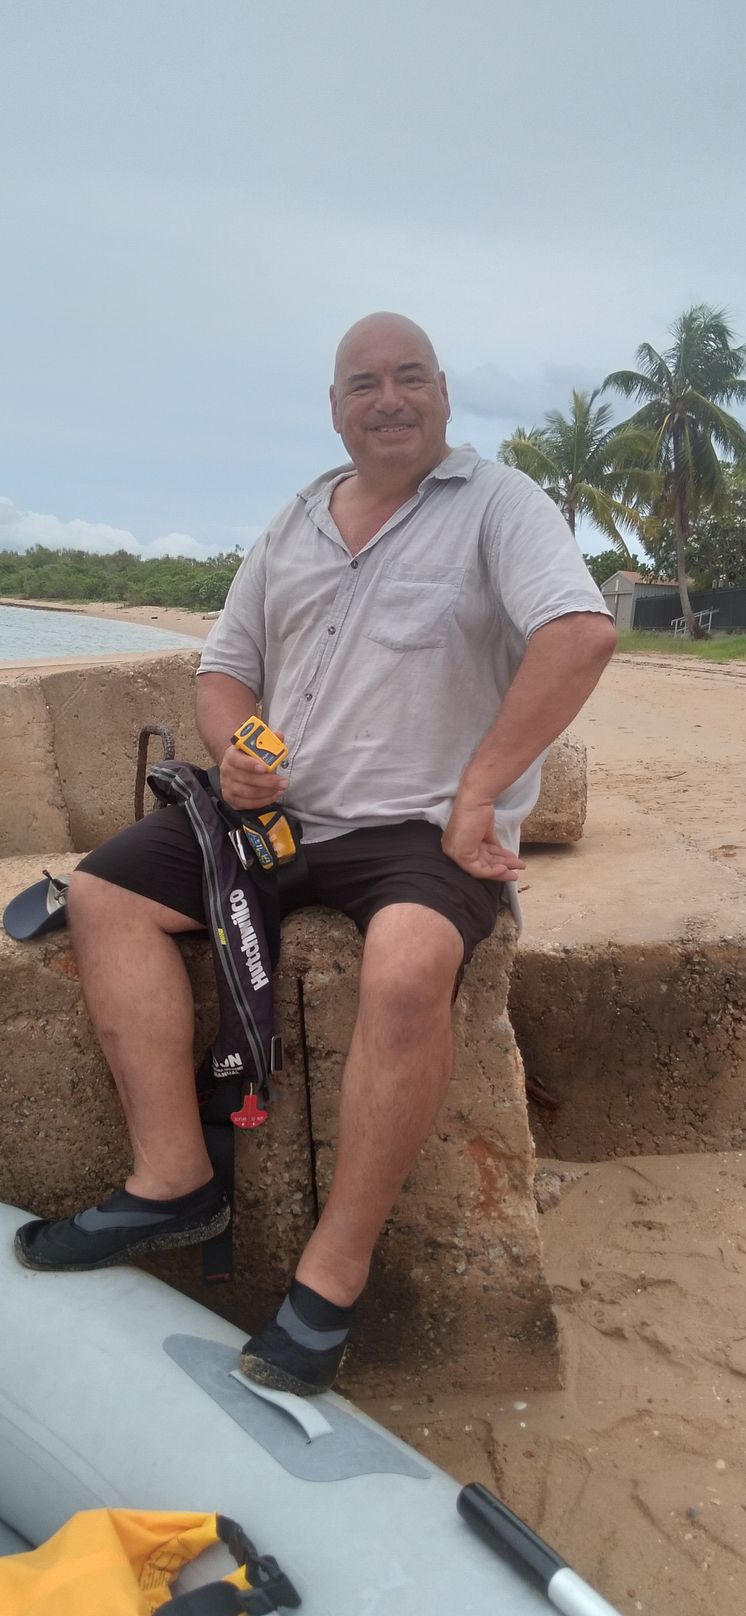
(309, 695)
(286, 764)
(353, 564)
(331, 630)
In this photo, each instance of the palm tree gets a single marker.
(588, 468)
(682, 392)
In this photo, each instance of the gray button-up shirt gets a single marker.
(386, 669)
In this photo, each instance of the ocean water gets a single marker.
(28, 632)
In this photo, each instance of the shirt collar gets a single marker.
(461, 462)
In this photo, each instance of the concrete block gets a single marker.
(71, 747)
(96, 715)
(642, 1044)
(559, 814)
(33, 815)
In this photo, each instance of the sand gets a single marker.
(636, 1469)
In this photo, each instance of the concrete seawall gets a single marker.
(458, 1297)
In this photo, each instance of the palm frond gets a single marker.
(727, 432)
(528, 453)
(606, 512)
(632, 383)
(654, 366)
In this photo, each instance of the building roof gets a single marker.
(637, 578)
(631, 577)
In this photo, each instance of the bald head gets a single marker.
(389, 403)
(387, 330)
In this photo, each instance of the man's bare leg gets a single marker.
(139, 999)
(397, 1073)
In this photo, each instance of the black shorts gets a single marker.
(358, 873)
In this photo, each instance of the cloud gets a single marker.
(178, 544)
(19, 530)
(494, 394)
(184, 544)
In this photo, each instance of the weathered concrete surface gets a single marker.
(644, 1046)
(459, 1277)
(72, 747)
(559, 815)
(96, 716)
(32, 807)
(632, 879)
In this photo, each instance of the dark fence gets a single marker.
(657, 610)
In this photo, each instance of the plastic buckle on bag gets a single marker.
(272, 1588)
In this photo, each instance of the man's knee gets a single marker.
(412, 956)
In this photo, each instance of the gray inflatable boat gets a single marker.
(116, 1390)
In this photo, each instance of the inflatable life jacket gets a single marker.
(124, 1562)
(242, 909)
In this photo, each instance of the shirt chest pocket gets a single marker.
(411, 609)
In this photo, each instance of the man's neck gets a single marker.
(375, 488)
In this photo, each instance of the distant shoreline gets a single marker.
(169, 618)
(36, 605)
(173, 619)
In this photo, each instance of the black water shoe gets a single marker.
(122, 1228)
(303, 1347)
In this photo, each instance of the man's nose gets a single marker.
(389, 398)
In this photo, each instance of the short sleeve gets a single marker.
(237, 644)
(535, 563)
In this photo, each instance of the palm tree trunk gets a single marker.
(680, 529)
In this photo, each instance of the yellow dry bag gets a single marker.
(124, 1562)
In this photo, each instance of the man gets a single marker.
(420, 626)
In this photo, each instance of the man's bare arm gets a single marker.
(222, 704)
(563, 662)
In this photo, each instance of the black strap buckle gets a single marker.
(272, 1590)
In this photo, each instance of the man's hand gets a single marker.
(245, 782)
(469, 839)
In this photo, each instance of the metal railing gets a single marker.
(678, 624)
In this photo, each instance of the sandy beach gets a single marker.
(636, 1469)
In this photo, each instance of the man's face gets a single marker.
(389, 401)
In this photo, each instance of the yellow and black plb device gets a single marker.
(257, 740)
(270, 826)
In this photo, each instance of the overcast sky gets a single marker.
(197, 197)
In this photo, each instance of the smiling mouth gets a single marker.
(401, 426)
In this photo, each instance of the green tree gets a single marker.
(682, 393)
(81, 575)
(604, 566)
(588, 468)
(716, 550)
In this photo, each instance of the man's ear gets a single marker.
(333, 402)
(443, 385)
